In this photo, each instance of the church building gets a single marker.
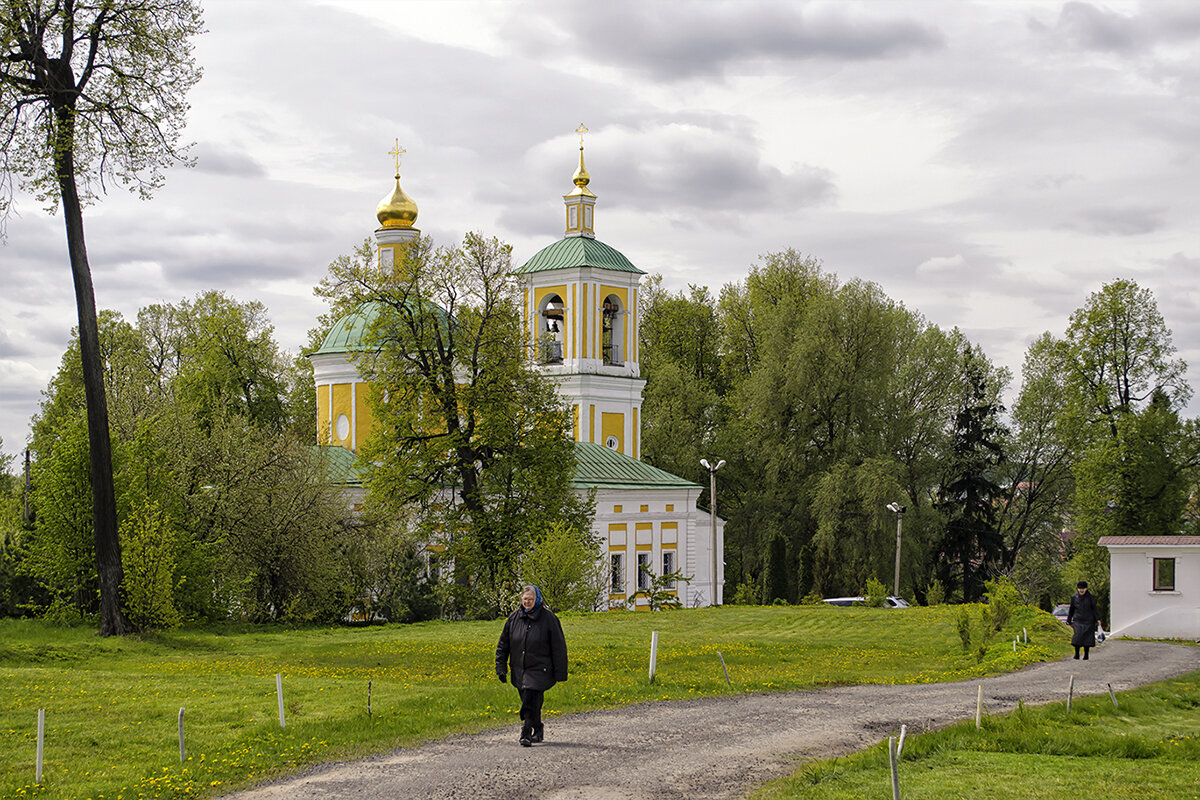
(580, 312)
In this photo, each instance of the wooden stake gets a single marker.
(1113, 696)
(279, 695)
(1070, 693)
(653, 653)
(181, 750)
(725, 668)
(41, 741)
(979, 708)
(1025, 632)
(368, 698)
(892, 757)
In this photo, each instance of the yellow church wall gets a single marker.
(324, 425)
(634, 451)
(340, 403)
(612, 425)
(575, 420)
(363, 419)
(583, 321)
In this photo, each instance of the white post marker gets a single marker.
(893, 756)
(1070, 693)
(1025, 632)
(181, 751)
(1113, 695)
(279, 695)
(653, 653)
(41, 740)
(979, 708)
(900, 744)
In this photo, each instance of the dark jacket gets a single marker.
(534, 644)
(1083, 617)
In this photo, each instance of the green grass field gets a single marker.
(112, 704)
(1147, 748)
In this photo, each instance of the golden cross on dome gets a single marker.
(396, 152)
(581, 130)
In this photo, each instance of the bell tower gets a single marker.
(580, 314)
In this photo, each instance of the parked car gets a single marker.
(1060, 612)
(891, 601)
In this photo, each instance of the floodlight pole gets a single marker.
(899, 510)
(712, 517)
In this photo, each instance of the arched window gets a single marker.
(612, 332)
(549, 333)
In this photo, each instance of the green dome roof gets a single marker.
(578, 251)
(347, 333)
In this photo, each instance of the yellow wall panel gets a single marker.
(324, 425)
(341, 404)
(612, 425)
(364, 419)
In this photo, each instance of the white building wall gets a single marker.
(693, 551)
(1140, 612)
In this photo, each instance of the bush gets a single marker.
(1003, 598)
(875, 594)
(935, 593)
(812, 599)
(963, 622)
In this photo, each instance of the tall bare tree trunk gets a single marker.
(104, 507)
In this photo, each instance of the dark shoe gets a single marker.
(1085, 658)
(1077, 656)
(526, 735)
(526, 741)
(538, 730)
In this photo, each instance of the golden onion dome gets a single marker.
(397, 210)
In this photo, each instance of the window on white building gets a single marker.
(1164, 574)
(617, 573)
(669, 565)
(643, 578)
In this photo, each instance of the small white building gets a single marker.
(1154, 586)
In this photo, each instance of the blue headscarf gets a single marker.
(537, 603)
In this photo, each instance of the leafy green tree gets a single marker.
(660, 593)
(467, 432)
(565, 564)
(91, 91)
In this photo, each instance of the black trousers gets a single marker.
(531, 706)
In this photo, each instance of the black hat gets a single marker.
(1081, 585)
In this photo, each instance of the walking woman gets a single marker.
(1083, 618)
(533, 641)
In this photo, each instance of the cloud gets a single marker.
(217, 160)
(1119, 221)
(939, 265)
(697, 39)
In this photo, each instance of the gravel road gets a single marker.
(708, 749)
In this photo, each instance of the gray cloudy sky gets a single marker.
(987, 163)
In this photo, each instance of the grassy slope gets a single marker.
(111, 705)
(1147, 748)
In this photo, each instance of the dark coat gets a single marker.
(1083, 617)
(535, 646)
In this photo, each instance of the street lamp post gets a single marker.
(712, 516)
(899, 511)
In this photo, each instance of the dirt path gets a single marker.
(708, 749)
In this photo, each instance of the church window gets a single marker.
(612, 443)
(668, 565)
(550, 334)
(617, 573)
(610, 331)
(433, 566)
(343, 427)
(643, 578)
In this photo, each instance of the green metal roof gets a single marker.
(341, 466)
(347, 333)
(597, 465)
(578, 251)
